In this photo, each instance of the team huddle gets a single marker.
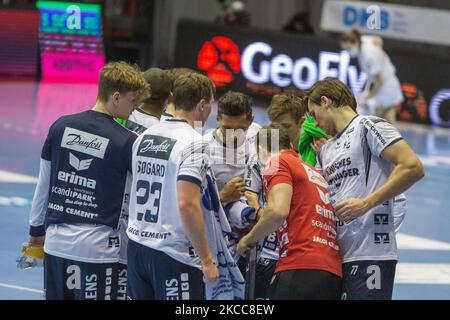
(136, 201)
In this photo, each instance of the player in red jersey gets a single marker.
(299, 208)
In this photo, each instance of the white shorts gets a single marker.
(390, 93)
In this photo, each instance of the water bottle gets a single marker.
(31, 256)
(353, 225)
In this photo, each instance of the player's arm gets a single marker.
(276, 212)
(232, 190)
(193, 222)
(39, 205)
(408, 170)
(377, 83)
(193, 168)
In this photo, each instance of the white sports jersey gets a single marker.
(162, 155)
(226, 162)
(123, 222)
(400, 208)
(70, 202)
(165, 116)
(94, 244)
(351, 163)
(373, 60)
(251, 136)
(254, 183)
(140, 120)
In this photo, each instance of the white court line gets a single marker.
(434, 161)
(11, 177)
(408, 242)
(423, 273)
(5, 285)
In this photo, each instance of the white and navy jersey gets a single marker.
(165, 115)
(162, 155)
(85, 162)
(140, 120)
(254, 183)
(252, 132)
(123, 222)
(227, 162)
(83, 242)
(400, 208)
(351, 162)
(90, 155)
(373, 60)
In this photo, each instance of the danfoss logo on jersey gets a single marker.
(221, 59)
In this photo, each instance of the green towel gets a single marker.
(121, 121)
(310, 132)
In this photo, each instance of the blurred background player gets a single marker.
(383, 91)
(309, 266)
(149, 112)
(367, 163)
(85, 162)
(168, 240)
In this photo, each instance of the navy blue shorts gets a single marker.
(368, 280)
(66, 279)
(154, 275)
(122, 281)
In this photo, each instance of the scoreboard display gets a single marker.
(71, 41)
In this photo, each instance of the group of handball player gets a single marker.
(137, 200)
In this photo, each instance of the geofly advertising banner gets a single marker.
(263, 63)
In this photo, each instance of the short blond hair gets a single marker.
(122, 77)
(189, 89)
(286, 103)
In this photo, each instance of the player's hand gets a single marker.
(352, 208)
(36, 241)
(252, 199)
(244, 245)
(317, 144)
(210, 271)
(233, 190)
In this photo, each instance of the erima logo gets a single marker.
(84, 142)
(381, 238)
(78, 180)
(324, 196)
(78, 164)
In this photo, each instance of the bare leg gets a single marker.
(388, 114)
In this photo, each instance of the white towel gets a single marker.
(240, 214)
(231, 283)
